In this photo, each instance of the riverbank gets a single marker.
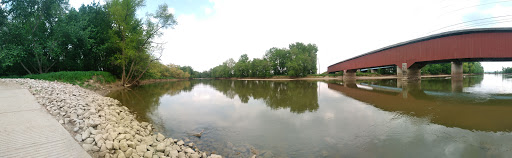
(102, 126)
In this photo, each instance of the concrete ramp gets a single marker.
(27, 130)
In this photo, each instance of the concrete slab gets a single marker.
(27, 130)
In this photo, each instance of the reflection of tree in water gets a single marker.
(144, 99)
(298, 96)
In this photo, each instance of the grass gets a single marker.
(74, 77)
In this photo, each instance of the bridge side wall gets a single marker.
(488, 46)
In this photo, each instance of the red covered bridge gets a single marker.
(487, 44)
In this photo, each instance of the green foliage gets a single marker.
(297, 61)
(436, 69)
(366, 74)
(161, 71)
(75, 77)
(472, 68)
(446, 68)
(507, 70)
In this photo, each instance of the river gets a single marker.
(437, 117)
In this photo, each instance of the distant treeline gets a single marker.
(296, 61)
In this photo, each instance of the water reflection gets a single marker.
(144, 99)
(451, 108)
(298, 96)
(379, 118)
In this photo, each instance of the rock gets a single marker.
(141, 149)
(194, 155)
(78, 137)
(159, 154)
(123, 146)
(129, 152)
(89, 140)
(204, 155)
(87, 147)
(116, 145)
(191, 144)
(148, 154)
(173, 153)
(190, 151)
(160, 137)
(181, 155)
(160, 147)
(167, 150)
(86, 134)
(180, 142)
(98, 137)
(95, 148)
(109, 144)
(121, 155)
(103, 148)
(215, 156)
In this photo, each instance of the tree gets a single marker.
(30, 36)
(133, 39)
(303, 59)
(278, 58)
(242, 66)
(260, 68)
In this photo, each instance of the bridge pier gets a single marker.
(349, 75)
(457, 70)
(412, 73)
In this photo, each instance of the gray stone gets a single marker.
(86, 134)
(180, 142)
(141, 149)
(87, 147)
(129, 152)
(173, 153)
(191, 144)
(148, 154)
(121, 155)
(116, 145)
(181, 155)
(109, 144)
(215, 156)
(89, 140)
(160, 147)
(190, 151)
(78, 137)
(160, 137)
(123, 146)
(194, 155)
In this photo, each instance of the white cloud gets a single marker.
(207, 11)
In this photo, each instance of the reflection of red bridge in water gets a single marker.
(490, 44)
(447, 109)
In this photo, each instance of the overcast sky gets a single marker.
(211, 31)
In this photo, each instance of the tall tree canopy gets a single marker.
(133, 38)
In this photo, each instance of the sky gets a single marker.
(210, 32)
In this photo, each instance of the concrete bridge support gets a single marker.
(457, 70)
(349, 75)
(412, 73)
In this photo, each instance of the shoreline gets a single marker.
(101, 125)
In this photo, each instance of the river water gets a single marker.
(437, 117)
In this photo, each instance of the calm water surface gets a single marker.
(379, 118)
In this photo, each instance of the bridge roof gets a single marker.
(434, 36)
